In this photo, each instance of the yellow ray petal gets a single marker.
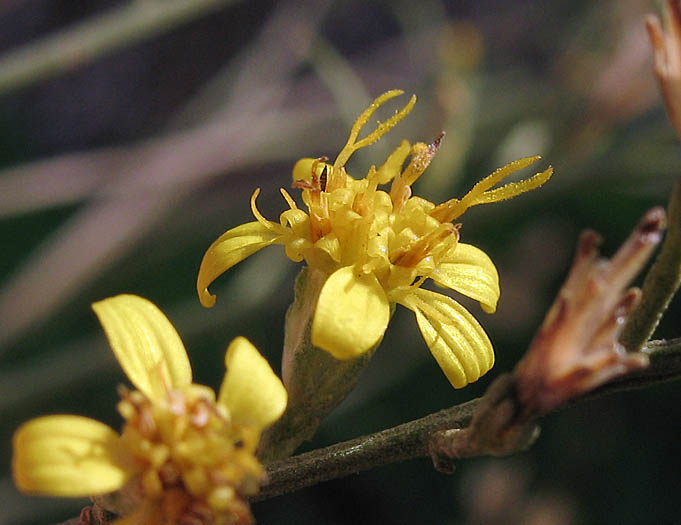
(230, 248)
(352, 314)
(68, 456)
(145, 343)
(470, 271)
(251, 391)
(456, 340)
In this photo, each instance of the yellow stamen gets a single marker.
(512, 189)
(421, 156)
(320, 224)
(289, 200)
(479, 194)
(256, 213)
(363, 202)
(382, 128)
(392, 167)
(412, 254)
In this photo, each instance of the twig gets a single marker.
(406, 441)
(411, 440)
(661, 282)
(96, 37)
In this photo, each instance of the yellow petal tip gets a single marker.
(68, 456)
(251, 391)
(145, 343)
(206, 298)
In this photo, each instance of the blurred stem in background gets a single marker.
(97, 37)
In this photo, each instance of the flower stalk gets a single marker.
(661, 282)
(316, 381)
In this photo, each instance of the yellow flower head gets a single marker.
(191, 456)
(378, 247)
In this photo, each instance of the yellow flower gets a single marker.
(378, 247)
(187, 453)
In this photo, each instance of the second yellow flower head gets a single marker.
(184, 452)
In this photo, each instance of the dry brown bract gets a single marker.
(577, 349)
(667, 55)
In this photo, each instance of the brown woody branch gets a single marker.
(412, 440)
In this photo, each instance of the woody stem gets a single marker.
(411, 440)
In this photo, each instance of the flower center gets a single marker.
(398, 237)
(194, 462)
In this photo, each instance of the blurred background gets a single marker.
(132, 134)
